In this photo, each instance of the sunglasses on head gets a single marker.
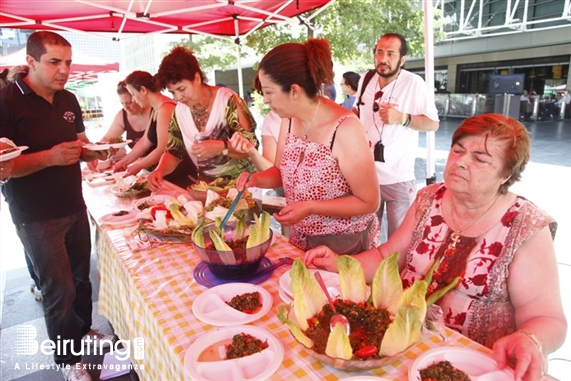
(378, 96)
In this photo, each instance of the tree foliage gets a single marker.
(351, 26)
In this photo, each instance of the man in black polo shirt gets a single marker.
(44, 194)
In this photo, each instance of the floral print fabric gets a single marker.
(481, 300)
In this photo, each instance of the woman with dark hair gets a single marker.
(132, 121)
(147, 152)
(349, 86)
(204, 120)
(498, 243)
(323, 160)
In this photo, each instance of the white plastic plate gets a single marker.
(470, 361)
(211, 308)
(259, 366)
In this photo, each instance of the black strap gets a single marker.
(366, 81)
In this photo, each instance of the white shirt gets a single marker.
(409, 94)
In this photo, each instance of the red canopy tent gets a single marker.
(229, 19)
(213, 17)
(83, 66)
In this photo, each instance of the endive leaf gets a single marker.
(308, 298)
(283, 312)
(338, 344)
(224, 251)
(386, 287)
(351, 279)
(404, 331)
(197, 235)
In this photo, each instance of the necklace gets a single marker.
(201, 116)
(455, 237)
(312, 121)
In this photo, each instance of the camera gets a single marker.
(379, 152)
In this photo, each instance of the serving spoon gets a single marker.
(336, 318)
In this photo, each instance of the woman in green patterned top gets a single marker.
(204, 119)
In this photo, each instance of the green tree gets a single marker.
(353, 28)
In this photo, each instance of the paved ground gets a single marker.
(545, 182)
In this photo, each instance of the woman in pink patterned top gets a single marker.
(323, 159)
(499, 243)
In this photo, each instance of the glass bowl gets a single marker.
(236, 264)
(348, 365)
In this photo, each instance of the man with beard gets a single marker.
(394, 106)
(45, 199)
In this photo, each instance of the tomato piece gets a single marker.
(158, 207)
(368, 351)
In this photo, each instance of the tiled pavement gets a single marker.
(545, 182)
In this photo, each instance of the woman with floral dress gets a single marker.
(323, 159)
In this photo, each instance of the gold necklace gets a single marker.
(455, 236)
(313, 120)
(201, 116)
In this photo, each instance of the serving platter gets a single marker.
(211, 306)
(12, 154)
(470, 361)
(259, 366)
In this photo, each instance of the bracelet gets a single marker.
(408, 120)
(404, 116)
(533, 338)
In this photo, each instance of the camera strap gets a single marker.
(366, 81)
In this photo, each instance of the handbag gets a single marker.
(349, 243)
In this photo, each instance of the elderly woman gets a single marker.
(204, 120)
(322, 159)
(499, 243)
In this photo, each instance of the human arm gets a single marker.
(139, 150)
(243, 145)
(167, 164)
(323, 257)
(116, 129)
(390, 114)
(65, 153)
(164, 114)
(534, 292)
(6, 166)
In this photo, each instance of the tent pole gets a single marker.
(239, 70)
(238, 57)
(429, 78)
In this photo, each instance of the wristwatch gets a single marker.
(225, 150)
(407, 121)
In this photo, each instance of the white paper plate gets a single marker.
(211, 308)
(469, 361)
(152, 200)
(97, 147)
(285, 297)
(331, 281)
(259, 366)
(126, 219)
(13, 154)
(120, 144)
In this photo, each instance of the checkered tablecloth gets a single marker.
(149, 294)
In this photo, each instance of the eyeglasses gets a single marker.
(378, 96)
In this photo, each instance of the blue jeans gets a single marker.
(60, 251)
